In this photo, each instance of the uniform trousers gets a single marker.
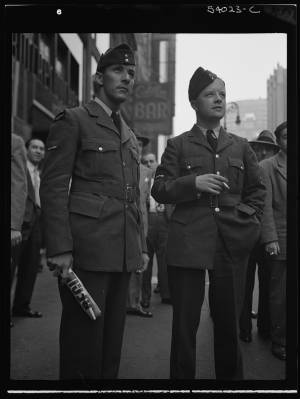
(134, 290)
(27, 260)
(187, 288)
(156, 244)
(256, 258)
(277, 300)
(91, 349)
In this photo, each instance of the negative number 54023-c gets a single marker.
(232, 9)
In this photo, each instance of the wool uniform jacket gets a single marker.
(90, 191)
(198, 218)
(145, 181)
(274, 217)
(18, 191)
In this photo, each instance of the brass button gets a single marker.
(100, 148)
(217, 156)
(217, 209)
(218, 172)
(188, 167)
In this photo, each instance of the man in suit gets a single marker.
(273, 238)
(214, 179)
(135, 284)
(29, 257)
(92, 218)
(264, 147)
(18, 194)
(18, 188)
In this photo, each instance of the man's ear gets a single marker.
(98, 78)
(194, 105)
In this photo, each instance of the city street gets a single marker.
(146, 345)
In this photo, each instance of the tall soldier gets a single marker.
(92, 218)
(214, 179)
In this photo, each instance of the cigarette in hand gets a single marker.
(226, 186)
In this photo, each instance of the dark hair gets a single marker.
(27, 144)
(279, 128)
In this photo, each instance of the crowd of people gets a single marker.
(103, 207)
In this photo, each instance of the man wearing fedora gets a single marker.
(92, 218)
(264, 147)
(273, 238)
(135, 284)
(215, 181)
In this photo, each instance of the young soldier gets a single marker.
(214, 179)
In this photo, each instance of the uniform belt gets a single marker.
(214, 201)
(127, 193)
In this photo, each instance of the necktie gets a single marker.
(36, 185)
(117, 120)
(212, 139)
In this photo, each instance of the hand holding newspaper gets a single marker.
(82, 295)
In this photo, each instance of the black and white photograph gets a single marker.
(154, 238)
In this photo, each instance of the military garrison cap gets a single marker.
(200, 79)
(121, 54)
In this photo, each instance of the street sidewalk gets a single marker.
(146, 344)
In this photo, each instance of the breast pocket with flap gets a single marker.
(236, 173)
(99, 157)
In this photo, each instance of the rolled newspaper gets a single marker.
(81, 295)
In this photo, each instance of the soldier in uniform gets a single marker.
(92, 218)
(214, 179)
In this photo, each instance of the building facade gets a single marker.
(51, 71)
(277, 97)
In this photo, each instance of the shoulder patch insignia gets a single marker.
(60, 115)
(52, 148)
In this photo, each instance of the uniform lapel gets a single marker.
(224, 140)
(125, 131)
(95, 110)
(196, 136)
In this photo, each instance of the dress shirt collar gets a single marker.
(31, 167)
(104, 106)
(204, 130)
